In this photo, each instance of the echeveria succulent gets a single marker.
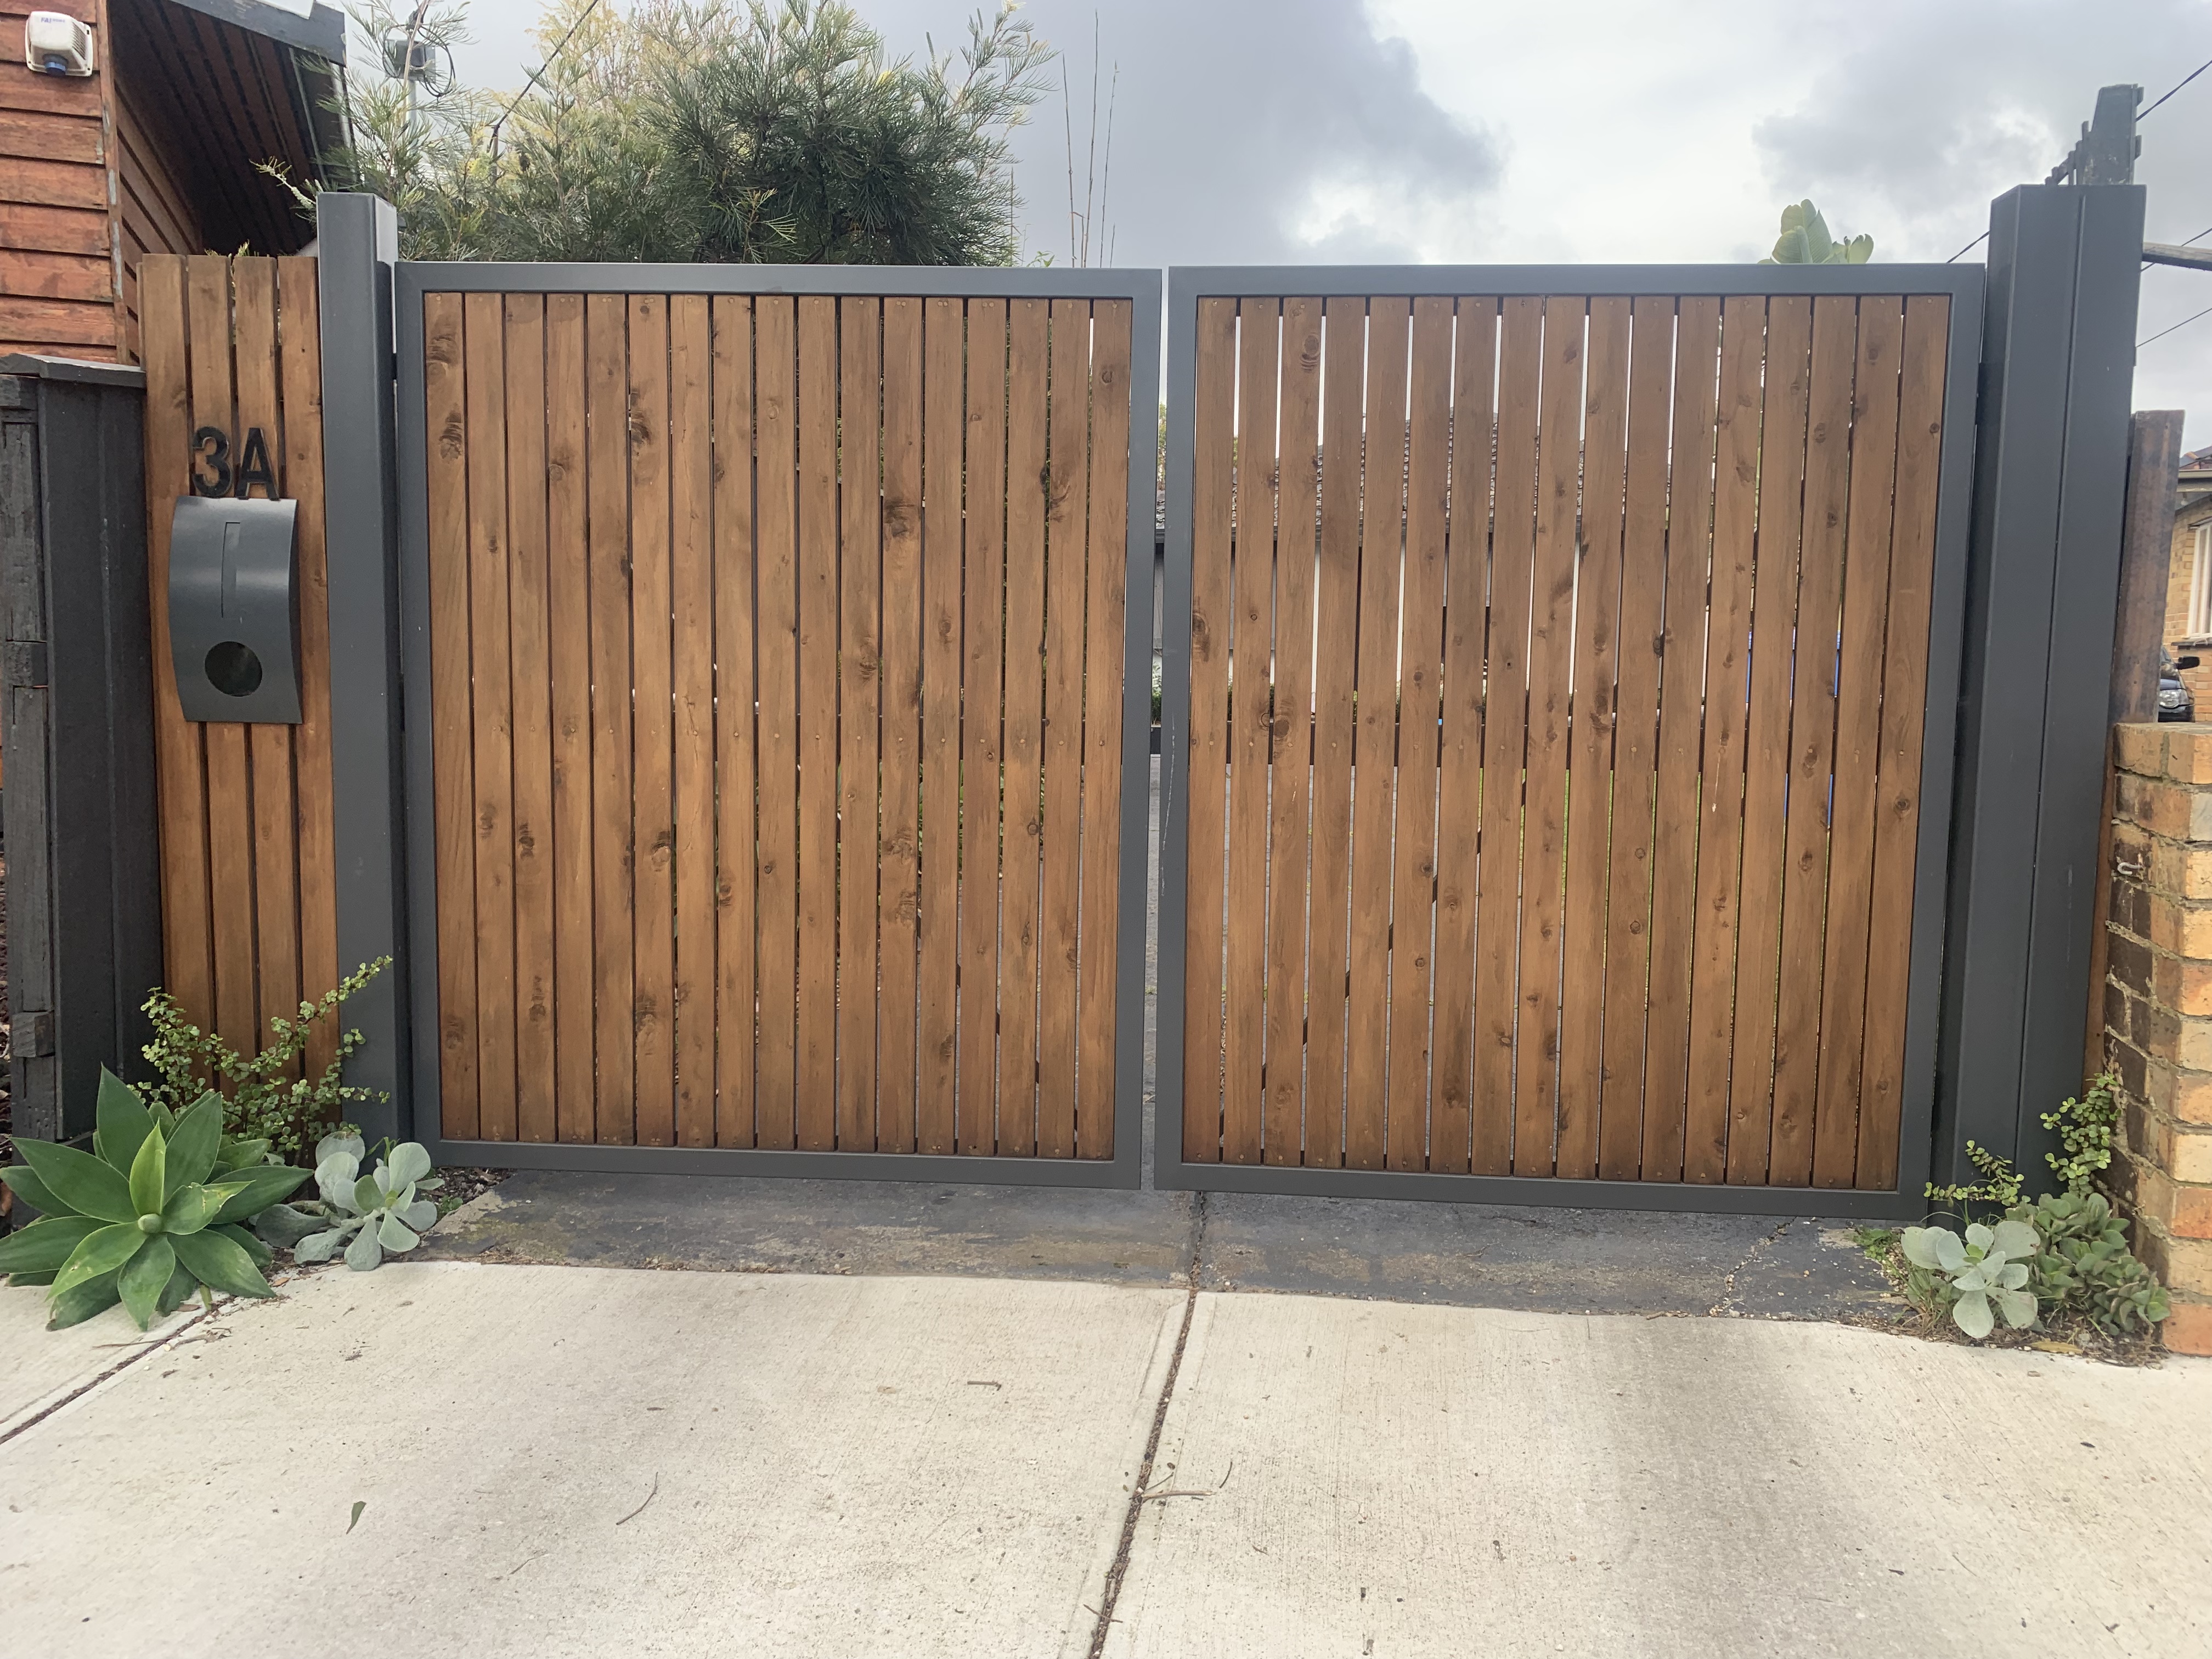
(138, 1219)
(373, 1213)
(1986, 1267)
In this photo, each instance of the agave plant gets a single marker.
(372, 1213)
(138, 1219)
(1984, 1268)
(1805, 241)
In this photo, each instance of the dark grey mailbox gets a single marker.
(234, 609)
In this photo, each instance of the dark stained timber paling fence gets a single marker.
(780, 640)
(1554, 794)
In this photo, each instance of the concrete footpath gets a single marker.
(479, 1458)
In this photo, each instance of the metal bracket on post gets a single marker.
(358, 243)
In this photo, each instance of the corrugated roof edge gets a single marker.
(323, 31)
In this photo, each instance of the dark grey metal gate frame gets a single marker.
(1142, 289)
(1964, 285)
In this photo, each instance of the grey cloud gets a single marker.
(1230, 114)
(1938, 107)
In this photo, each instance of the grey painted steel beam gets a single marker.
(2050, 483)
(358, 244)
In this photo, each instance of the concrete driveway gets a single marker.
(564, 1460)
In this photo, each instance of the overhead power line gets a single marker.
(2178, 85)
(2183, 323)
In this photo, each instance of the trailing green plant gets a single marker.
(2082, 1265)
(1977, 1276)
(2085, 1129)
(1999, 1186)
(140, 1219)
(1805, 241)
(262, 1100)
(368, 1214)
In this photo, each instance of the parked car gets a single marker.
(2174, 701)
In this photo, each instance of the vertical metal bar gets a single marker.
(1168, 1102)
(1139, 628)
(420, 932)
(358, 244)
(1939, 747)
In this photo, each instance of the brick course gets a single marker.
(2158, 1012)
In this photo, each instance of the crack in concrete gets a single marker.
(151, 1346)
(1115, 1573)
(1728, 1284)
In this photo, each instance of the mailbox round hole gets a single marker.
(233, 670)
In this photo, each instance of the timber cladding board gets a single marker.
(778, 702)
(1558, 674)
(248, 862)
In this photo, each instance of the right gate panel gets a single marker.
(1558, 672)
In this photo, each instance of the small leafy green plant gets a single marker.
(264, 1101)
(370, 1213)
(139, 1219)
(1970, 1274)
(1999, 1186)
(2085, 1130)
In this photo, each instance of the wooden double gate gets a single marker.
(1552, 807)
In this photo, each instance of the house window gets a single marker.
(2200, 584)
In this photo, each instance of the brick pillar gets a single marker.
(2158, 1012)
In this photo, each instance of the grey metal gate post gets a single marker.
(2051, 478)
(84, 906)
(358, 244)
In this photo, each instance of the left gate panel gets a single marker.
(778, 718)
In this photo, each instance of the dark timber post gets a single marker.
(358, 242)
(84, 905)
(2050, 476)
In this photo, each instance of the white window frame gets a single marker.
(2200, 584)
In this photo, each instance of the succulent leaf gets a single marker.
(97, 1253)
(143, 1279)
(193, 1147)
(46, 1245)
(23, 1181)
(78, 1183)
(318, 1247)
(395, 1235)
(255, 1190)
(364, 1253)
(220, 1265)
(282, 1226)
(120, 1120)
(150, 1174)
(409, 1163)
(1971, 1312)
(81, 1302)
(2013, 1239)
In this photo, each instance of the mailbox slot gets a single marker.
(234, 609)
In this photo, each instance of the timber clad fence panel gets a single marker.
(249, 902)
(779, 694)
(1558, 673)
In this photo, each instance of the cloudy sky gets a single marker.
(1258, 131)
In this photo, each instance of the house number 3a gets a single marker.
(213, 473)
